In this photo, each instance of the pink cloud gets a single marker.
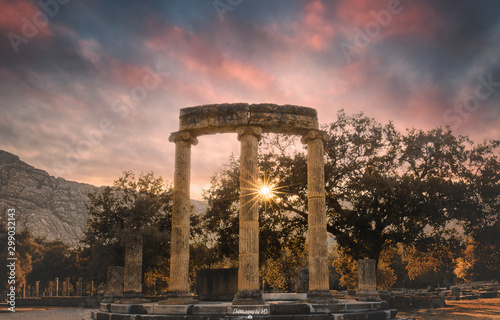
(14, 15)
(317, 29)
(90, 50)
(353, 75)
(201, 58)
(398, 17)
(313, 31)
(127, 75)
(231, 70)
(427, 103)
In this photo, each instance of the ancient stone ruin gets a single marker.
(249, 121)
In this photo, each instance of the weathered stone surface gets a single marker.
(219, 118)
(248, 271)
(132, 271)
(48, 207)
(179, 290)
(367, 280)
(249, 121)
(319, 284)
(115, 280)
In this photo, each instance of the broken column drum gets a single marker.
(367, 280)
(249, 121)
(132, 271)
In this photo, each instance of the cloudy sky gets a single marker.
(91, 88)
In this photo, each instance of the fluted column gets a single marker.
(179, 292)
(317, 234)
(248, 271)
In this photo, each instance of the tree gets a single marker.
(55, 259)
(480, 260)
(279, 272)
(24, 248)
(278, 227)
(141, 207)
(384, 188)
(434, 266)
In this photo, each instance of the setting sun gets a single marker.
(265, 191)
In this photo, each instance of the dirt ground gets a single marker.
(459, 310)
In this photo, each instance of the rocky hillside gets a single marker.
(48, 207)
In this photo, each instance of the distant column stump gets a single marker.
(367, 281)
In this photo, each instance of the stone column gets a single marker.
(57, 287)
(79, 287)
(65, 287)
(37, 289)
(248, 271)
(132, 272)
(367, 280)
(179, 290)
(51, 288)
(115, 281)
(319, 286)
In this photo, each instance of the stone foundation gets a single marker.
(292, 310)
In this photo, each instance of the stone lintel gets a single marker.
(222, 118)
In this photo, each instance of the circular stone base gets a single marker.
(293, 310)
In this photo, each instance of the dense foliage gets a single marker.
(424, 204)
(422, 192)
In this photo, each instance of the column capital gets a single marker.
(253, 130)
(314, 134)
(183, 136)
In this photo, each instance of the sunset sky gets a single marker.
(91, 88)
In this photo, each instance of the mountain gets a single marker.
(48, 207)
